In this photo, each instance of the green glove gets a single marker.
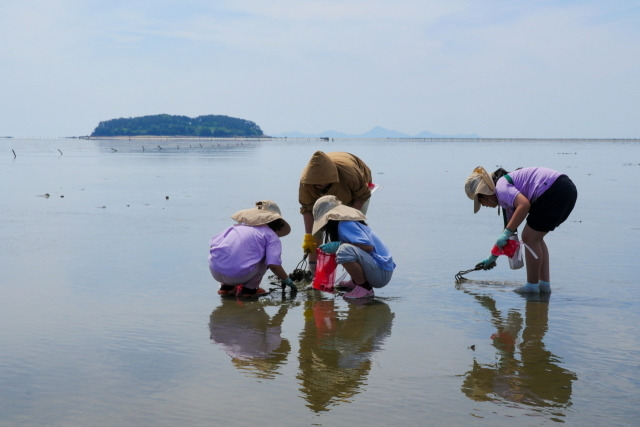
(288, 282)
(502, 240)
(330, 248)
(487, 264)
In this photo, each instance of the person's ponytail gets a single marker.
(497, 174)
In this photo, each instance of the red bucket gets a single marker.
(325, 276)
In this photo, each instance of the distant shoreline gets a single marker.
(170, 137)
(314, 139)
(319, 138)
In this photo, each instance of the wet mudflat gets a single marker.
(109, 314)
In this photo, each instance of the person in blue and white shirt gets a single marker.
(358, 249)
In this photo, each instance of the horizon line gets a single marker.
(322, 138)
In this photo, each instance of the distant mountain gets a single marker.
(378, 132)
(375, 133)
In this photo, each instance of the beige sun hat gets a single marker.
(320, 170)
(479, 182)
(330, 208)
(264, 212)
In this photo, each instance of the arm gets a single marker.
(282, 275)
(332, 247)
(355, 176)
(366, 248)
(522, 206)
(308, 222)
(278, 271)
(357, 204)
(360, 192)
(521, 209)
(355, 234)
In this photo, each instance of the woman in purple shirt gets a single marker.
(542, 196)
(240, 255)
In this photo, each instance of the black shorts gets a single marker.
(553, 207)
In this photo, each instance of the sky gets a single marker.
(495, 68)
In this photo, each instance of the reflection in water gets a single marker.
(336, 347)
(525, 372)
(250, 336)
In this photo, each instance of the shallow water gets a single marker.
(110, 316)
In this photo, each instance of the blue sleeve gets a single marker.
(354, 232)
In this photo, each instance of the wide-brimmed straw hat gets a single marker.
(264, 212)
(330, 208)
(479, 182)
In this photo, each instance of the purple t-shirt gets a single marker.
(237, 250)
(531, 182)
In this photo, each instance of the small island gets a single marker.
(210, 126)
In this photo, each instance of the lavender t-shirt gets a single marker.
(237, 250)
(531, 182)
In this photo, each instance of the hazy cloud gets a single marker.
(495, 68)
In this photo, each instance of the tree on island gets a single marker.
(168, 125)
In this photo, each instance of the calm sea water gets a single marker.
(110, 317)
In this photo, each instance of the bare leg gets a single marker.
(355, 271)
(536, 268)
(545, 274)
(362, 289)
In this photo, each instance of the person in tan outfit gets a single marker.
(339, 174)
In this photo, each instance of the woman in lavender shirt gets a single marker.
(240, 255)
(541, 196)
